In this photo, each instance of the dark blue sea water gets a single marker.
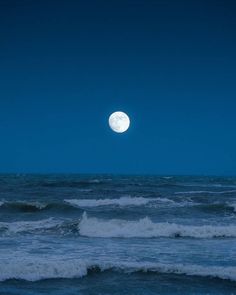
(78, 234)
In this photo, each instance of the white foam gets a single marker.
(26, 226)
(123, 201)
(35, 269)
(145, 228)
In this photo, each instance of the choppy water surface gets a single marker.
(78, 234)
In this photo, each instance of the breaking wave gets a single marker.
(117, 228)
(145, 228)
(35, 270)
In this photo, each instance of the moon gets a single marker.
(119, 122)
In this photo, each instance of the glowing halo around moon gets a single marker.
(119, 122)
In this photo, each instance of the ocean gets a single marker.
(105, 234)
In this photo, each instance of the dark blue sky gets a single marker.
(66, 65)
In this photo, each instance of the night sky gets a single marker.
(65, 66)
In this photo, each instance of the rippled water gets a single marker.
(103, 234)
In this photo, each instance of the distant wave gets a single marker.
(73, 184)
(123, 201)
(40, 269)
(145, 228)
(33, 206)
(85, 190)
(205, 192)
(128, 201)
(216, 185)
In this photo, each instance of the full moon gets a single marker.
(119, 122)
